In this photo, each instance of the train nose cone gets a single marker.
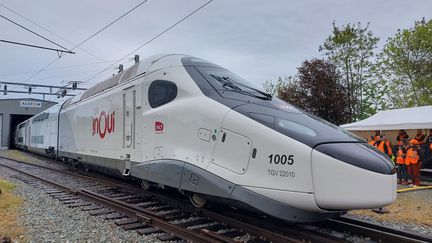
(352, 176)
(360, 155)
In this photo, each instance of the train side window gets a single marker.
(161, 92)
(296, 127)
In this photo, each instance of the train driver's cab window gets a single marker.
(161, 92)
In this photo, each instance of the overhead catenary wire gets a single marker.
(51, 32)
(31, 31)
(152, 39)
(87, 39)
(36, 46)
(86, 72)
(132, 9)
(54, 68)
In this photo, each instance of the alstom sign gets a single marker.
(26, 103)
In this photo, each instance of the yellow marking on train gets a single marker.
(414, 188)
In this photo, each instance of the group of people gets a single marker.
(408, 154)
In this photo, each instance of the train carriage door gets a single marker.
(28, 136)
(53, 130)
(129, 100)
(129, 104)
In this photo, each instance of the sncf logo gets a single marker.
(159, 127)
(104, 124)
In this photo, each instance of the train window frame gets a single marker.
(171, 95)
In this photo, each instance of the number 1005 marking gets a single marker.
(283, 159)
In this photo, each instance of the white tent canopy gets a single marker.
(406, 118)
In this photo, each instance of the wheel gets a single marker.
(197, 200)
(145, 185)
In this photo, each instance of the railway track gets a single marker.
(375, 232)
(142, 211)
(174, 220)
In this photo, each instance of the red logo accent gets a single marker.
(159, 126)
(103, 124)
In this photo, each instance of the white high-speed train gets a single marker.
(183, 122)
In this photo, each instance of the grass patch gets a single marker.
(9, 205)
(16, 154)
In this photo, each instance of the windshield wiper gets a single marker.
(228, 82)
(225, 83)
(266, 95)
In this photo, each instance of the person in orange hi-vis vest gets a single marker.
(387, 142)
(371, 140)
(401, 135)
(377, 135)
(420, 137)
(413, 160)
(429, 139)
(402, 168)
(383, 147)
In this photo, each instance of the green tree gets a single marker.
(406, 63)
(281, 84)
(316, 89)
(351, 49)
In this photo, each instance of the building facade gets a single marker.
(13, 112)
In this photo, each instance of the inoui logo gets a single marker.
(103, 124)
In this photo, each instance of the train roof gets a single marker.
(147, 65)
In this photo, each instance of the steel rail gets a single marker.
(271, 227)
(269, 235)
(263, 228)
(146, 216)
(118, 184)
(140, 214)
(64, 188)
(254, 230)
(376, 232)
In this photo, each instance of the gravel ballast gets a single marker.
(45, 219)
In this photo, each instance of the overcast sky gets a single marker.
(259, 40)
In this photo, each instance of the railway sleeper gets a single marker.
(149, 231)
(52, 191)
(93, 207)
(174, 216)
(115, 216)
(125, 221)
(134, 226)
(100, 212)
(167, 237)
(66, 198)
(80, 204)
(71, 201)
(192, 222)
